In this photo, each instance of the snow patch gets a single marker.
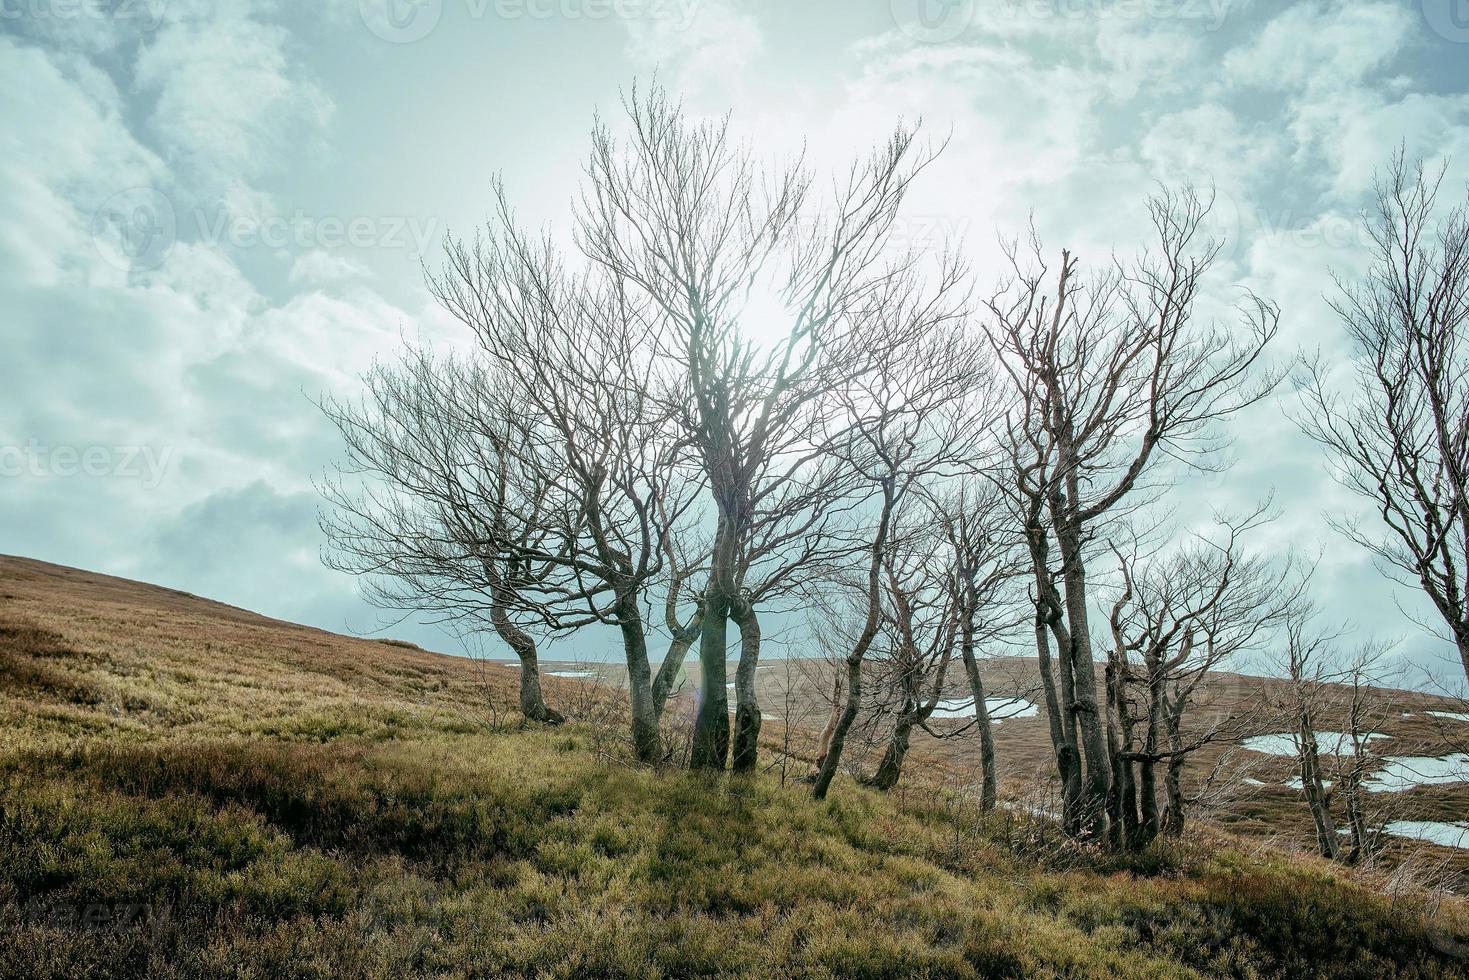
(1433, 831)
(1451, 715)
(1295, 783)
(1403, 772)
(1284, 743)
(1001, 709)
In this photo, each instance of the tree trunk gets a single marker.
(532, 703)
(710, 748)
(824, 745)
(1461, 642)
(1060, 705)
(1173, 816)
(1065, 750)
(1128, 805)
(639, 682)
(1117, 801)
(747, 703)
(711, 727)
(989, 791)
(1148, 819)
(891, 766)
(833, 755)
(1082, 669)
(1356, 820)
(1316, 797)
(678, 650)
(918, 707)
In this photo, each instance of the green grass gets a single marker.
(248, 805)
(434, 853)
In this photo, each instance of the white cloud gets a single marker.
(226, 100)
(211, 346)
(179, 358)
(318, 267)
(702, 48)
(1323, 45)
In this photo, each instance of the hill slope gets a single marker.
(188, 789)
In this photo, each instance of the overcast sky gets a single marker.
(213, 211)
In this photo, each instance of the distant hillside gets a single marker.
(1254, 794)
(188, 789)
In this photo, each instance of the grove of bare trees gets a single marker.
(732, 396)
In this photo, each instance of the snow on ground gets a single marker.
(1451, 715)
(1446, 834)
(1402, 772)
(1000, 708)
(1295, 783)
(573, 673)
(1284, 743)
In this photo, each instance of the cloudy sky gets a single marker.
(214, 211)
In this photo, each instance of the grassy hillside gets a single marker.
(188, 789)
(1258, 799)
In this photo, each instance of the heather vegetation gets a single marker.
(187, 790)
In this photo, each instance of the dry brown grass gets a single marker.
(192, 790)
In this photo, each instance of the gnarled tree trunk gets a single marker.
(639, 682)
(747, 704)
(711, 726)
(710, 748)
(532, 703)
(678, 649)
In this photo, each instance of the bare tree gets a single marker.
(683, 217)
(917, 630)
(985, 563)
(920, 412)
(1305, 647)
(613, 481)
(1371, 697)
(945, 581)
(1348, 692)
(1401, 438)
(435, 512)
(1181, 619)
(1111, 375)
